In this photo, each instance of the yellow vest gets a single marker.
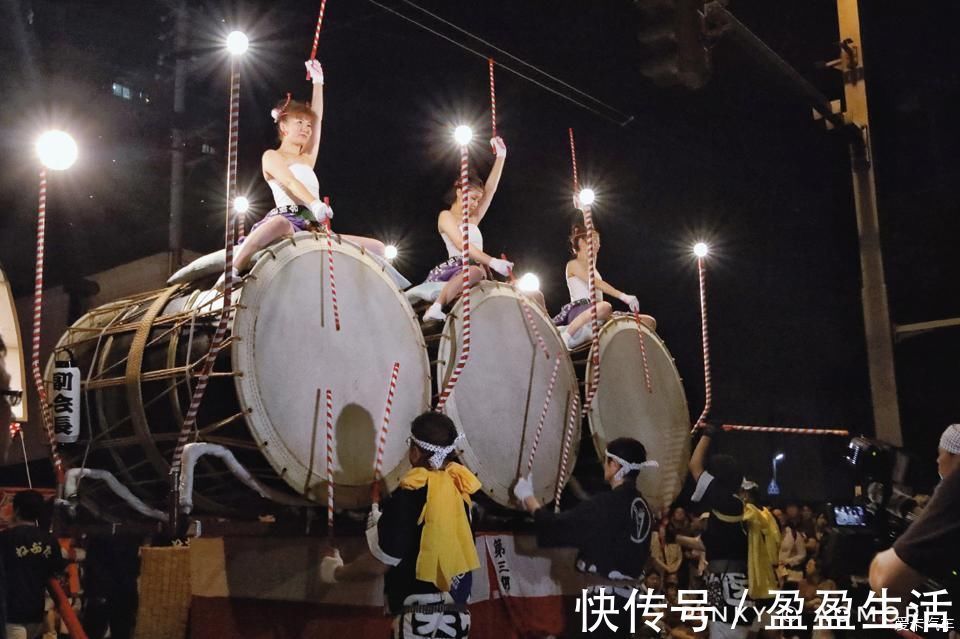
(446, 544)
(763, 548)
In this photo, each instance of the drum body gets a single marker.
(498, 400)
(140, 358)
(624, 407)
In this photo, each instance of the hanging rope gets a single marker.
(316, 33)
(465, 271)
(527, 313)
(190, 420)
(643, 353)
(382, 442)
(328, 234)
(46, 415)
(493, 100)
(593, 380)
(329, 427)
(543, 415)
(573, 414)
(787, 431)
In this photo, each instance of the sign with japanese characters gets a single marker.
(65, 402)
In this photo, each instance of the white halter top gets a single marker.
(476, 239)
(306, 176)
(580, 290)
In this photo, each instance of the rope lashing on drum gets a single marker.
(384, 427)
(333, 279)
(190, 420)
(45, 413)
(593, 380)
(527, 313)
(465, 272)
(543, 415)
(707, 385)
(493, 100)
(787, 431)
(643, 353)
(316, 33)
(329, 427)
(572, 416)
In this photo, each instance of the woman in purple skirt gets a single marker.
(479, 196)
(288, 171)
(574, 317)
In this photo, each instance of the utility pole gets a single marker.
(876, 312)
(182, 30)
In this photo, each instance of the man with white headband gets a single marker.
(611, 531)
(422, 542)
(930, 549)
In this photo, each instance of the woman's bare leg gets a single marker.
(266, 234)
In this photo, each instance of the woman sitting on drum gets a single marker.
(288, 171)
(449, 221)
(574, 317)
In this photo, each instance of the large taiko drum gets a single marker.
(140, 357)
(498, 400)
(624, 406)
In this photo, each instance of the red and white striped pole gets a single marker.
(329, 425)
(190, 419)
(593, 380)
(787, 431)
(316, 33)
(384, 427)
(45, 413)
(572, 416)
(333, 277)
(701, 252)
(57, 152)
(543, 415)
(464, 268)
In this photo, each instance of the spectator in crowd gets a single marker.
(31, 556)
(780, 517)
(665, 553)
(793, 546)
(931, 546)
(653, 583)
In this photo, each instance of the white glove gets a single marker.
(523, 488)
(499, 147)
(315, 71)
(631, 301)
(328, 568)
(321, 211)
(374, 517)
(576, 202)
(503, 267)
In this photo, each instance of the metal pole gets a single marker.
(177, 138)
(876, 313)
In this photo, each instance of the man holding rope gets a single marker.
(422, 542)
(611, 531)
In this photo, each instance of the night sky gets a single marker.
(739, 163)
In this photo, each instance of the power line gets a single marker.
(510, 55)
(622, 120)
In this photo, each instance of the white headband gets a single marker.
(950, 439)
(628, 467)
(439, 452)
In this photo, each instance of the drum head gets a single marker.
(623, 407)
(289, 352)
(498, 400)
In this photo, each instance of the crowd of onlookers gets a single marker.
(673, 568)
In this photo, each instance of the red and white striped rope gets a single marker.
(316, 33)
(329, 425)
(190, 419)
(241, 226)
(643, 353)
(788, 431)
(528, 314)
(707, 381)
(45, 413)
(333, 278)
(465, 271)
(573, 161)
(572, 416)
(384, 427)
(543, 415)
(493, 99)
(593, 381)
